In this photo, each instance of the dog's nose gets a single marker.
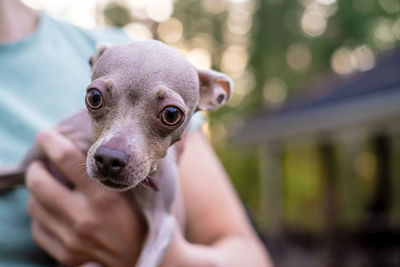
(109, 161)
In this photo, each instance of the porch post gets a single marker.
(271, 190)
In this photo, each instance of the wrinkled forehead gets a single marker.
(142, 66)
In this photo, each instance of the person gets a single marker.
(42, 75)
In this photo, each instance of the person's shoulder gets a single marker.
(80, 35)
(109, 34)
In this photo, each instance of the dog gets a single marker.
(138, 104)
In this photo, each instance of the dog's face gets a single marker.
(141, 98)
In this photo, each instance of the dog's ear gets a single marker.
(215, 89)
(101, 48)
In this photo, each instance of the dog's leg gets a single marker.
(157, 209)
(159, 236)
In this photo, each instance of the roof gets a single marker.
(368, 98)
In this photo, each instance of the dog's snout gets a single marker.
(110, 162)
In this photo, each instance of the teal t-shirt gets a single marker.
(42, 79)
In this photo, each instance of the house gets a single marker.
(348, 111)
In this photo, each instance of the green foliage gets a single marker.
(196, 21)
(117, 15)
(302, 189)
(246, 179)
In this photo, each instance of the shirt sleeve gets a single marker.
(111, 35)
(196, 122)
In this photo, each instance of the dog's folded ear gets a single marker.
(101, 48)
(215, 89)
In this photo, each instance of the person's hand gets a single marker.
(87, 224)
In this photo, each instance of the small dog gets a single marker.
(139, 102)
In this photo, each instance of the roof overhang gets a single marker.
(371, 110)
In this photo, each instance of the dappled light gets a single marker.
(274, 91)
(199, 57)
(298, 57)
(383, 35)
(170, 31)
(341, 61)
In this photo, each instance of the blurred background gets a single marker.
(311, 136)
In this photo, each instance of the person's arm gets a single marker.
(218, 231)
(88, 224)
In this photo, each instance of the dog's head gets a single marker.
(141, 98)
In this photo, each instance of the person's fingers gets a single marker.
(66, 156)
(55, 247)
(63, 233)
(56, 206)
(50, 193)
(76, 232)
(54, 224)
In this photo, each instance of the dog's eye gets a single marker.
(94, 99)
(171, 116)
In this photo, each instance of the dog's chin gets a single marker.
(114, 184)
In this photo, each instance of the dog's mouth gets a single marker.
(110, 183)
(116, 185)
(150, 182)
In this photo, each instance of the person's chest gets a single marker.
(39, 86)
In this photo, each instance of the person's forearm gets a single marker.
(231, 251)
(242, 251)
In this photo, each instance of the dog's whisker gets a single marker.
(81, 168)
